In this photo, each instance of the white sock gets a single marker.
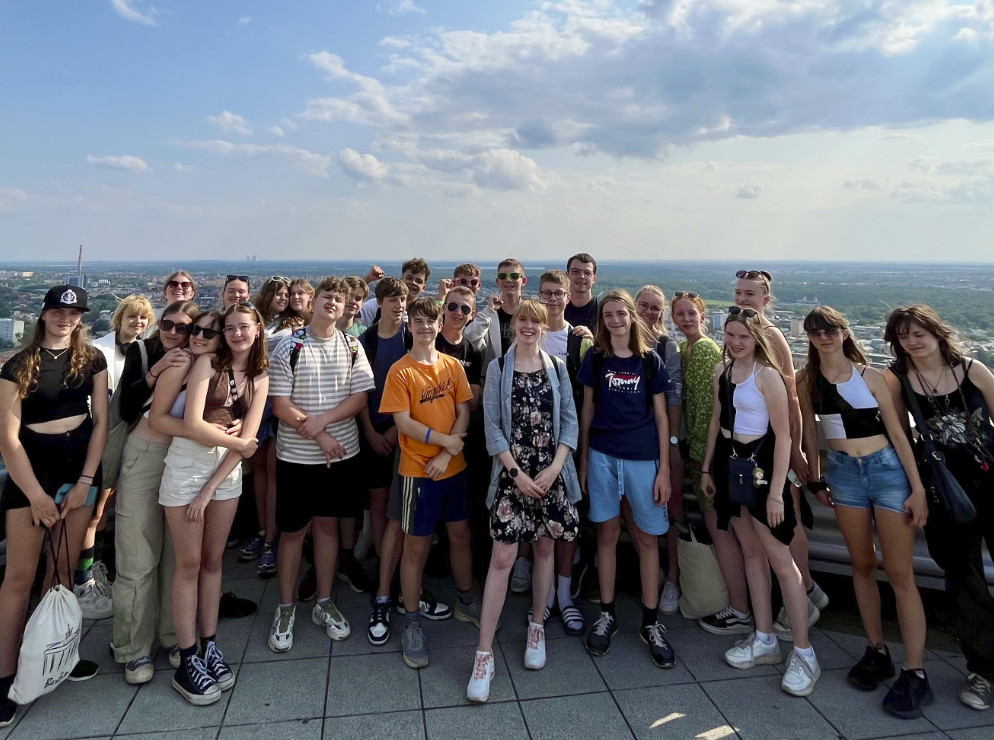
(563, 591)
(767, 638)
(737, 613)
(807, 653)
(552, 597)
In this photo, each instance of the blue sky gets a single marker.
(639, 129)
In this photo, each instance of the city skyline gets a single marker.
(639, 129)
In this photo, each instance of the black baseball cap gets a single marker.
(65, 296)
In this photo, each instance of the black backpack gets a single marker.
(301, 334)
(373, 341)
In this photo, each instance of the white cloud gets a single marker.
(861, 183)
(180, 167)
(310, 162)
(126, 9)
(276, 131)
(124, 162)
(749, 192)
(361, 167)
(400, 7)
(229, 122)
(506, 169)
(245, 20)
(13, 199)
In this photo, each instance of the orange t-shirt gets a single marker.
(430, 393)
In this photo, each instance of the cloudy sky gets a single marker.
(632, 129)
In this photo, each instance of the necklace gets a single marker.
(934, 387)
(53, 354)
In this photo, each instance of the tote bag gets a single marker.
(702, 589)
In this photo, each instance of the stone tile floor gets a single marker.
(325, 689)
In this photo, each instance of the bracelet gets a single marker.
(705, 472)
(88, 478)
(154, 376)
(777, 500)
(428, 435)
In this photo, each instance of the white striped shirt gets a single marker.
(324, 377)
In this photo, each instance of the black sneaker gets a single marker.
(378, 631)
(599, 639)
(659, 649)
(908, 695)
(220, 671)
(84, 671)
(357, 579)
(234, 607)
(873, 667)
(8, 710)
(195, 684)
(726, 622)
(308, 587)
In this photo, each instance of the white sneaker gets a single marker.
(478, 689)
(818, 597)
(669, 598)
(281, 633)
(521, 576)
(535, 647)
(93, 603)
(101, 579)
(801, 675)
(751, 652)
(327, 615)
(782, 629)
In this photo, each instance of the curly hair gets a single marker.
(81, 354)
(898, 324)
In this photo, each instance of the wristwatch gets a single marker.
(674, 441)
(513, 472)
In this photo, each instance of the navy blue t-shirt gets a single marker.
(624, 426)
(388, 351)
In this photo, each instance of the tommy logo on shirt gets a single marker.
(432, 393)
(623, 382)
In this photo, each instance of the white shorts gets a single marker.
(189, 465)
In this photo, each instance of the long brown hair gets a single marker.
(764, 351)
(640, 339)
(257, 360)
(898, 323)
(267, 295)
(81, 354)
(826, 317)
(291, 318)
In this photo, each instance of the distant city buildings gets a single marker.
(11, 331)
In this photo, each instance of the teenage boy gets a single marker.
(358, 290)
(458, 310)
(415, 272)
(469, 276)
(582, 308)
(319, 380)
(495, 318)
(428, 395)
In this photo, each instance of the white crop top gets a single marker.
(751, 416)
(179, 405)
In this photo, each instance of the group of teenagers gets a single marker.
(532, 428)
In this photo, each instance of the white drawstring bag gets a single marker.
(50, 648)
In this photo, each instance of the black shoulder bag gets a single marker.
(744, 474)
(947, 493)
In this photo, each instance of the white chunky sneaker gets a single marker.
(751, 652)
(801, 675)
(478, 689)
(535, 647)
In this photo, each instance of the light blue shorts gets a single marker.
(876, 480)
(610, 478)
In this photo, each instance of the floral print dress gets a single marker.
(515, 517)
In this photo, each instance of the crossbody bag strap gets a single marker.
(916, 412)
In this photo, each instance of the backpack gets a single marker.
(372, 343)
(648, 372)
(301, 334)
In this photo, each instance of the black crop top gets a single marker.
(52, 399)
(847, 410)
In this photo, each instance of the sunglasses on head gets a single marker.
(181, 327)
(685, 294)
(753, 274)
(469, 282)
(182, 284)
(243, 278)
(746, 312)
(453, 306)
(509, 276)
(832, 331)
(208, 333)
(278, 279)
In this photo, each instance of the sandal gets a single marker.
(573, 621)
(548, 613)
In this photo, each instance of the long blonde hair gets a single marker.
(764, 350)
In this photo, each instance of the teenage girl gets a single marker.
(53, 425)
(868, 481)
(624, 452)
(749, 420)
(200, 489)
(754, 289)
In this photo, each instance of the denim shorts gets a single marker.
(609, 478)
(877, 480)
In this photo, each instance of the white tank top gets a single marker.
(751, 415)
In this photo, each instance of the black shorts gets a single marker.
(304, 492)
(378, 468)
(56, 459)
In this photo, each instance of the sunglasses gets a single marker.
(181, 284)
(685, 294)
(832, 331)
(548, 295)
(278, 279)
(181, 327)
(453, 306)
(469, 282)
(753, 274)
(243, 278)
(208, 333)
(746, 312)
(509, 276)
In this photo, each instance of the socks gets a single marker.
(465, 597)
(807, 653)
(207, 640)
(286, 607)
(563, 588)
(412, 617)
(382, 599)
(98, 546)
(608, 607)
(84, 569)
(185, 653)
(767, 638)
(648, 616)
(737, 613)
(552, 598)
(5, 683)
(323, 602)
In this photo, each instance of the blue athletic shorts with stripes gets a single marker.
(425, 502)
